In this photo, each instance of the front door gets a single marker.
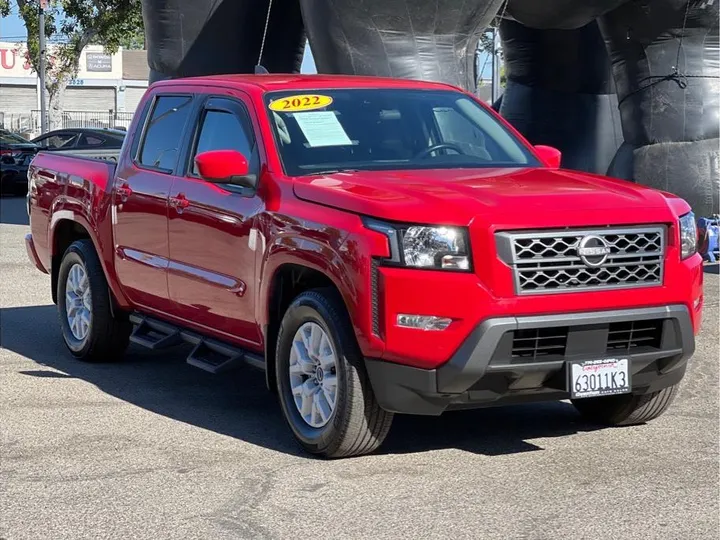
(211, 275)
(140, 205)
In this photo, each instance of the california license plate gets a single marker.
(593, 378)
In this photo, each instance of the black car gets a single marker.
(80, 139)
(13, 147)
(15, 156)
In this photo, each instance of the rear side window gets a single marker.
(90, 140)
(223, 130)
(164, 132)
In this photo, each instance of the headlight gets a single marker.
(688, 235)
(431, 247)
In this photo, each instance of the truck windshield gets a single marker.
(386, 129)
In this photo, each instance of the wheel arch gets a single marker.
(66, 227)
(286, 278)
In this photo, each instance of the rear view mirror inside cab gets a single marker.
(225, 167)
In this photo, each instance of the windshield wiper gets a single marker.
(333, 171)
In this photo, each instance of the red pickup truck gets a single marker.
(376, 247)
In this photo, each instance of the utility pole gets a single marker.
(41, 75)
(477, 76)
(495, 89)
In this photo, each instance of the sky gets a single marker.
(12, 29)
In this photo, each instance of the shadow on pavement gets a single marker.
(12, 211)
(239, 405)
(712, 268)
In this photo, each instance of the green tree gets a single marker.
(134, 40)
(72, 25)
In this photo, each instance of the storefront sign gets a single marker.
(98, 62)
(13, 62)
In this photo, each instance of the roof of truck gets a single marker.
(270, 83)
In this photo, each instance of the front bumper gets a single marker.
(485, 371)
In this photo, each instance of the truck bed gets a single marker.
(111, 154)
(62, 166)
(63, 185)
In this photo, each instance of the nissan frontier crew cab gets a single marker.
(375, 246)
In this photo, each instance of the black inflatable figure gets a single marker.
(629, 88)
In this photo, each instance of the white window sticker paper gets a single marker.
(322, 128)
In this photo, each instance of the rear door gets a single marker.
(140, 205)
(211, 275)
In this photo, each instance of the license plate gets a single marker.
(593, 378)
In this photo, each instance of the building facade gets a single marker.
(106, 86)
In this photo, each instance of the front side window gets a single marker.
(384, 129)
(222, 130)
(164, 132)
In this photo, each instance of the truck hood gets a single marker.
(496, 197)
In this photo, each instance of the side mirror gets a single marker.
(550, 156)
(225, 167)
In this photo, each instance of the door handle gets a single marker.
(123, 191)
(179, 202)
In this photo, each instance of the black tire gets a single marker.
(108, 335)
(626, 409)
(358, 425)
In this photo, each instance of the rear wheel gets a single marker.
(90, 329)
(626, 409)
(324, 389)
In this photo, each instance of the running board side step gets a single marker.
(208, 354)
(154, 334)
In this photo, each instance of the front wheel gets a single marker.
(626, 409)
(323, 387)
(90, 329)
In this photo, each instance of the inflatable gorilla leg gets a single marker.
(666, 63)
(559, 92)
(208, 37)
(433, 40)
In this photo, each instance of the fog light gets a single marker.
(423, 322)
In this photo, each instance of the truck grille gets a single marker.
(568, 260)
(554, 343)
(539, 342)
(625, 336)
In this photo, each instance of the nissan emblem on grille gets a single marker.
(567, 260)
(593, 250)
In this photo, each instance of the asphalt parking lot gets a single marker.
(153, 448)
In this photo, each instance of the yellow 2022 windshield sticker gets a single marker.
(301, 102)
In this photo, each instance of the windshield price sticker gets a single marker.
(303, 102)
(322, 128)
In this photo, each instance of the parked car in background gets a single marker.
(14, 147)
(16, 153)
(100, 143)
